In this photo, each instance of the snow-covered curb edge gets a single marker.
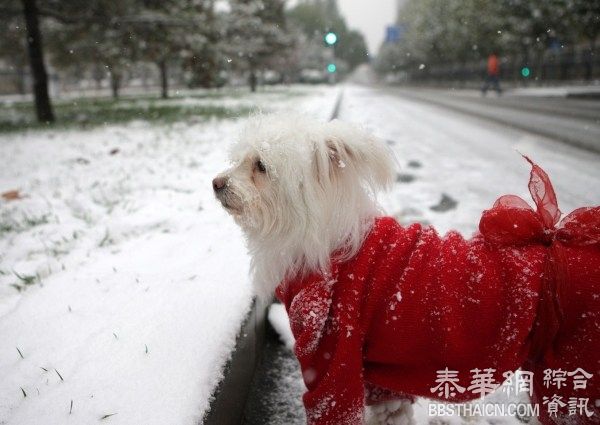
(229, 399)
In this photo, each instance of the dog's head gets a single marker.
(302, 189)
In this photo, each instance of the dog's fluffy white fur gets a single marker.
(302, 190)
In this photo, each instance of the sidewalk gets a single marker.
(575, 91)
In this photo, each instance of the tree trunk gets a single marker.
(164, 79)
(462, 73)
(115, 83)
(589, 68)
(252, 80)
(43, 107)
(540, 71)
(98, 74)
(21, 85)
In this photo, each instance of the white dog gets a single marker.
(378, 311)
(300, 190)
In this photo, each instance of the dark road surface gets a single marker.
(276, 394)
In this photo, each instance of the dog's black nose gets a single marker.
(219, 183)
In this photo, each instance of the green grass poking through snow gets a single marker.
(92, 112)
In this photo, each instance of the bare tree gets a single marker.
(43, 107)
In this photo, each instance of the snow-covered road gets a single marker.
(470, 160)
(572, 120)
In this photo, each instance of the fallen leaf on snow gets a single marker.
(12, 195)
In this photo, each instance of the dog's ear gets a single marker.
(351, 149)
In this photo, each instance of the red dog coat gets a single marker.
(411, 304)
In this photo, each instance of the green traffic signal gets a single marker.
(331, 68)
(331, 38)
(525, 71)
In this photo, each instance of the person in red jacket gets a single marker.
(492, 75)
(448, 318)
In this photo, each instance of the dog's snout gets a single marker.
(219, 184)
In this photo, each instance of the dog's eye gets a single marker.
(260, 166)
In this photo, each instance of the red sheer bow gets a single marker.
(511, 221)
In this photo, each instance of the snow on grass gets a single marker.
(184, 106)
(123, 283)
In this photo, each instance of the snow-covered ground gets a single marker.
(133, 281)
(557, 91)
(122, 282)
(533, 91)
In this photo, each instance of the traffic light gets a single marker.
(331, 68)
(525, 71)
(331, 38)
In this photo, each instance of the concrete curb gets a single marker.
(338, 104)
(229, 399)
